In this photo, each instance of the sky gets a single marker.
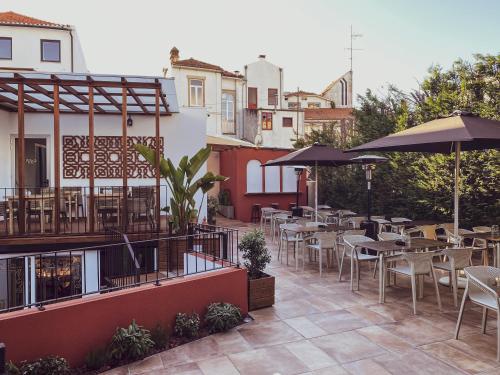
(400, 39)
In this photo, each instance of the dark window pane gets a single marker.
(5, 48)
(51, 50)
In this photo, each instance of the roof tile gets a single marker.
(12, 18)
(326, 114)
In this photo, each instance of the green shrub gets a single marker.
(130, 343)
(159, 337)
(96, 359)
(187, 325)
(255, 253)
(12, 369)
(222, 316)
(52, 365)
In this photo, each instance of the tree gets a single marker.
(182, 183)
(414, 184)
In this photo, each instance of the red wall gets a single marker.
(233, 164)
(71, 329)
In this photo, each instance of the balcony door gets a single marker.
(36, 163)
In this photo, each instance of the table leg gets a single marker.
(381, 278)
(11, 217)
(296, 253)
(352, 267)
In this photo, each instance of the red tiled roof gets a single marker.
(12, 18)
(295, 93)
(197, 64)
(327, 114)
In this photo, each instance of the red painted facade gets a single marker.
(71, 329)
(233, 164)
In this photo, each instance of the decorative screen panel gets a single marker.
(107, 158)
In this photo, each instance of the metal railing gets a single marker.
(34, 280)
(82, 210)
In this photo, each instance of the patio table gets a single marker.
(490, 237)
(386, 247)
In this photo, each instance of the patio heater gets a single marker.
(369, 163)
(297, 211)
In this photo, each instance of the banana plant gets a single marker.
(182, 183)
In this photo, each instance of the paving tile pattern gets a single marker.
(318, 326)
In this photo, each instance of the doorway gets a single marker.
(36, 166)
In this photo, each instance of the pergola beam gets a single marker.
(84, 100)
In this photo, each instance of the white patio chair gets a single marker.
(418, 264)
(307, 211)
(482, 290)
(289, 234)
(323, 241)
(355, 221)
(350, 243)
(458, 259)
(279, 219)
(266, 217)
(482, 243)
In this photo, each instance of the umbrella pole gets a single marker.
(457, 187)
(316, 193)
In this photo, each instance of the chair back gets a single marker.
(389, 236)
(355, 222)
(459, 257)
(479, 280)
(326, 240)
(426, 231)
(457, 241)
(420, 263)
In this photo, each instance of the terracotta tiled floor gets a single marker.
(318, 326)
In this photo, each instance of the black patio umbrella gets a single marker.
(315, 155)
(461, 131)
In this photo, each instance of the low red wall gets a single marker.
(71, 329)
(233, 163)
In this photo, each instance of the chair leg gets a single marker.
(321, 261)
(341, 264)
(498, 335)
(461, 313)
(414, 292)
(454, 285)
(375, 269)
(434, 279)
(484, 320)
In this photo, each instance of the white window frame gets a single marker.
(228, 122)
(199, 92)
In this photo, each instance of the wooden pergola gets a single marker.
(87, 95)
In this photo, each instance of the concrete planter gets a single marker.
(226, 211)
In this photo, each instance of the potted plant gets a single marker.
(256, 257)
(212, 207)
(226, 208)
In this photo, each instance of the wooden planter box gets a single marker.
(260, 292)
(227, 211)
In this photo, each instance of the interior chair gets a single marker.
(418, 265)
(482, 290)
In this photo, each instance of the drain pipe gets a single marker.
(72, 56)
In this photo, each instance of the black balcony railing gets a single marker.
(35, 280)
(79, 210)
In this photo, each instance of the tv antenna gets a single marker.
(350, 49)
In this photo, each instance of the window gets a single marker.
(272, 179)
(293, 105)
(228, 123)
(6, 48)
(196, 94)
(51, 50)
(254, 177)
(272, 96)
(267, 121)
(313, 105)
(289, 179)
(287, 122)
(252, 98)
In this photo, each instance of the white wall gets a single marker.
(26, 51)
(183, 133)
(279, 136)
(335, 91)
(304, 100)
(263, 75)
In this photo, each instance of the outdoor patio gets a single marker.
(318, 326)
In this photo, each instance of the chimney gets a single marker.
(237, 72)
(174, 55)
(262, 57)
